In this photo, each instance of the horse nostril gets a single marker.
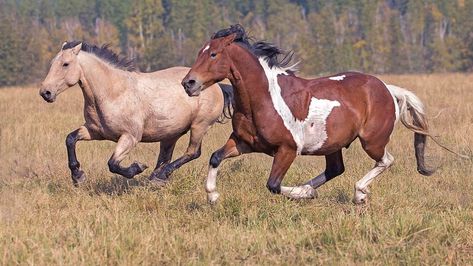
(189, 84)
(47, 94)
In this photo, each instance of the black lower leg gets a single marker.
(128, 172)
(166, 172)
(216, 158)
(333, 167)
(74, 164)
(281, 163)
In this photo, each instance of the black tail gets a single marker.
(228, 101)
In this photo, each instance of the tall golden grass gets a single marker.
(410, 219)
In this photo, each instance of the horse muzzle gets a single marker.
(192, 87)
(48, 95)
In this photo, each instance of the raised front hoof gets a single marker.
(78, 178)
(300, 192)
(212, 197)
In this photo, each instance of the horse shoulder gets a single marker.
(295, 94)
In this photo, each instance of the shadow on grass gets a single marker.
(118, 185)
(342, 197)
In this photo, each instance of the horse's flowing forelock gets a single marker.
(104, 52)
(261, 49)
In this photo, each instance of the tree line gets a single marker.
(374, 36)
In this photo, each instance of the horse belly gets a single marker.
(158, 130)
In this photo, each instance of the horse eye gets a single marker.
(213, 55)
(65, 64)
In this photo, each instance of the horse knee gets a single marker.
(193, 153)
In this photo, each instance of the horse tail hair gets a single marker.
(228, 102)
(412, 116)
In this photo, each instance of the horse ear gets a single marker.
(76, 49)
(64, 44)
(229, 39)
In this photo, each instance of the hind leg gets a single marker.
(333, 167)
(124, 146)
(193, 152)
(383, 161)
(166, 150)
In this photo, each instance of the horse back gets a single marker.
(339, 106)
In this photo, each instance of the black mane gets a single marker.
(259, 48)
(104, 53)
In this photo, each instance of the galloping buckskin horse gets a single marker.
(282, 115)
(128, 107)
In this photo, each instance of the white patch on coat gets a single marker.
(338, 78)
(309, 134)
(206, 48)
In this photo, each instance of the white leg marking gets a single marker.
(361, 187)
(338, 78)
(306, 191)
(309, 134)
(299, 192)
(211, 185)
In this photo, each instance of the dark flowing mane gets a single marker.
(263, 49)
(104, 53)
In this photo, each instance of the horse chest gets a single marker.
(244, 128)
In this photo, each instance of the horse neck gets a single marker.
(99, 81)
(250, 82)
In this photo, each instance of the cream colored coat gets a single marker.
(130, 107)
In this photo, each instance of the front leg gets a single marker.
(234, 147)
(82, 133)
(124, 145)
(281, 163)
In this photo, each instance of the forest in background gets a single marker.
(374, 36)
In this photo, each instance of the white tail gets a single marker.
(412, 116)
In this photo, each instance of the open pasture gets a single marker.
(410, 219)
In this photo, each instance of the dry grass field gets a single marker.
(410, 219)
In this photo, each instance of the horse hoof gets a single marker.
(361, 195)
(212, 197)
(79, 178)
(158, 181)
(360, 198)
(140, 167)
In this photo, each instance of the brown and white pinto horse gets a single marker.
(283, 115)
